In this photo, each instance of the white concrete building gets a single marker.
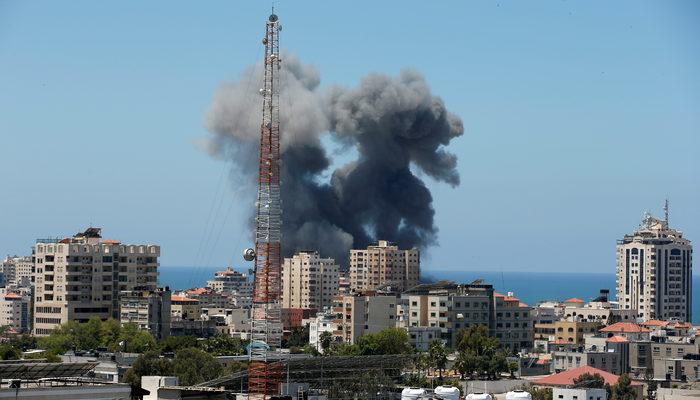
(384, 265)
(654, 271)
(579, 394)
(323, 322)
(362, 314)
(309, 281)
(80, 277)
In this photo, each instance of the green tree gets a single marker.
(172, 344)
(388, 341)
(326, 339)
(513, 367)
(193, 366)
(223, 345)
(623, 389)
(542, 393)
(476, 340)
(9, 352)
(299, 337)
(497, 364)
(466, 364)
(46, 355)
(589, 380)
(134, 340)
(109, 332)
(150, 363)
(438, 356)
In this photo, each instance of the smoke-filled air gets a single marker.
(396, 126)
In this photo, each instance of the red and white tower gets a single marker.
(266, 328)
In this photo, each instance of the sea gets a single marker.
(529, 287)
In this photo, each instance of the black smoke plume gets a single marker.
(393, 123)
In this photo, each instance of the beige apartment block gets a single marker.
(384, 265)
(150, 310)
(309, 281)
(362, 314)
(654, 271)
(80, 277)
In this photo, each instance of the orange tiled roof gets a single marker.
(625, 327)
(655, 322)
(573, 300)
(12, 296)
(197, 291)
(567, 377)
(617, 339)
(110, 241)
(183, 299)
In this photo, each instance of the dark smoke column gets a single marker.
(266, 330)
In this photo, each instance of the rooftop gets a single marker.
(566, 378)
(626, 327)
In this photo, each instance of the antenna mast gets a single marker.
(266, 327)
(666, 212)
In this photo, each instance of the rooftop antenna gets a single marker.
(666, 212)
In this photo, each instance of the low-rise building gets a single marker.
(182, 307)
(569, 331)
(322, 322)
(420, 337)
(629, 330)
(561, 393)
(15, 310)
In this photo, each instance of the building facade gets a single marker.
(514, 323)
(18, 271)
(359, 315)
(309, 281)
(384, 265)
(449, 307)
(15, 310)
(654, 271)
(150, 310)
(80, 277)
(234, 283)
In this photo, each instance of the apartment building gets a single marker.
(449, 307)
(514, 323)
(234, 283)
(15, 310)
(309, 281)
(566, 331)
(384, 265)
(358, 315)
(150, 310)
(654, 271)
(322, 322)
(80, 277)
(18, 271)
(184, 308)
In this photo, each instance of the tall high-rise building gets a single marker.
(309, 281)
(82, 276)
(384, 265)
(654, 271)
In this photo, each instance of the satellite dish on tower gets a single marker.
(249, 254)
(273, 18)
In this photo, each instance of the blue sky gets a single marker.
(579, 116)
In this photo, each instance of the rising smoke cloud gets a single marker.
(393, 123)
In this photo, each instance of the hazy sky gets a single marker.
(578, 116)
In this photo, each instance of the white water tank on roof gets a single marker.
(479, 396)
(447, 392)
(413, 393)
(518, 395)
